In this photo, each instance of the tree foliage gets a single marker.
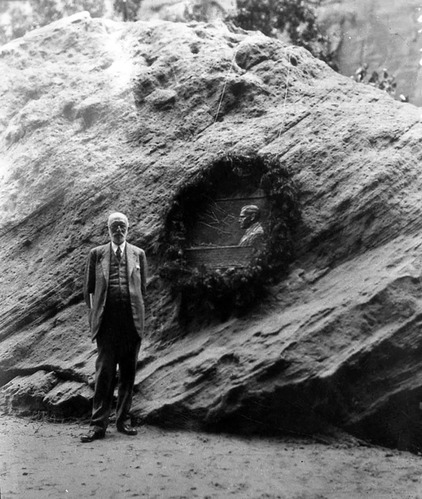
(43, 12)
(47, 11)
(20, 23)
(127, 9)
(275, 18)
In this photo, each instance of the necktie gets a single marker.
(119, 253)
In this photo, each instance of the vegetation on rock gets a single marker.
(379, 79)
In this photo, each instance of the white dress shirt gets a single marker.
(115, 246)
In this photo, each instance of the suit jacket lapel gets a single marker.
(131, 260)
(105, 262)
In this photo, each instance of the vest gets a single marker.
(118, 289)
(117, 326)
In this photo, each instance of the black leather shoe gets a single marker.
(127, 429)
(92, 435)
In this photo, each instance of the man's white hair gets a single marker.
(118, 216)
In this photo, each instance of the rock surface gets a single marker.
(98, 116)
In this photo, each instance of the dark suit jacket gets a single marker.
(96, 283)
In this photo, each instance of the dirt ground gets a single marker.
(41, 459)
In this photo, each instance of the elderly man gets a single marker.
(249, 221)
(115, 282)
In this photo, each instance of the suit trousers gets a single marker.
(118, 345)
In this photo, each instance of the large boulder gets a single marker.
(97, 116)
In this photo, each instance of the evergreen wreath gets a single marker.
(223, 292)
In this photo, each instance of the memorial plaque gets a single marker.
(217, 239)
(219, 256)
(219, 225)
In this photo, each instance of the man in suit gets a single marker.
(114, 290)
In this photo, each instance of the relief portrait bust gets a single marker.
(249, 221)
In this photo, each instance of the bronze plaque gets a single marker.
(219, 238)
(218, 224)
(219, 256)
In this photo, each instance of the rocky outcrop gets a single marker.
(98, 116)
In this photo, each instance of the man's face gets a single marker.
(118, 231)
(246, 219)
